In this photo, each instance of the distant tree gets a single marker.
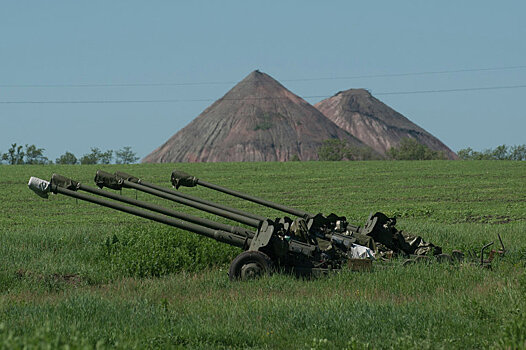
(35, 155)
(411, 149)
(470, 154)
(97, 157)
(28, 154)
(517, 152)
(14, 155)
(90, 158)
(333, 150)
(501, 152)
(125, 156)
(465, 153)
(67, 158)
(106, 157)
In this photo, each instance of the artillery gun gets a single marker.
(303, 244)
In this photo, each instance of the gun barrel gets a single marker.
(104, 179)
(219, 235)
(139, 181)
(62, 181)
(264, 202)
(220, 212)
(180, 178)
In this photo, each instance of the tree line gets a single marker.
(31, 154)
(408, 149)
(331, 150)
(411, 149)
(502, 152)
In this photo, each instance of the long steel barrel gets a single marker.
(139, 181)
(221, 236)
(62, 181)
(213, 210)
(104, 179)
(180, 178)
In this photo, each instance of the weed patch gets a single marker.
(146, 251)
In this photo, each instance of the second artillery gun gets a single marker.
(303, 244)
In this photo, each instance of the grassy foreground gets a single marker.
(81, 276)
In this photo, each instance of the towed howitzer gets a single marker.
(308, 244)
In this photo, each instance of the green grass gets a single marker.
(78, 275)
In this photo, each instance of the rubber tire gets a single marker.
(260, 260)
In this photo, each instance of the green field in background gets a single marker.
(79, 275)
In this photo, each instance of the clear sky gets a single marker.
(140, 51)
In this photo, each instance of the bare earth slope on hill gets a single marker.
(374, 123)
(257, 120)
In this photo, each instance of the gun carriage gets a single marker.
(300, 242)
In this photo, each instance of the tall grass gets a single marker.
(77, 275)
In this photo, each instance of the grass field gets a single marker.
(81, 276)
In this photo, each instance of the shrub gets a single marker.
(411, 149)
(336, 149)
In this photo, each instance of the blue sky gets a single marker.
(107, 43)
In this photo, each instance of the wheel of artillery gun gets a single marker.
(250, 264)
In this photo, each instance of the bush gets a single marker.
(333, 150)
(411, 149)
(336, 150)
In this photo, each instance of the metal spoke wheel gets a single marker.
(249, 265)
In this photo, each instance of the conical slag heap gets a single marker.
(374, 123)
(257, 120)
